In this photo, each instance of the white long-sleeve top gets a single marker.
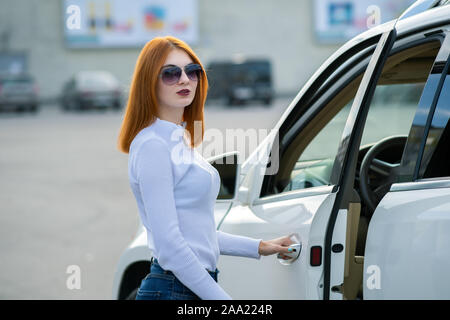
(175, 189)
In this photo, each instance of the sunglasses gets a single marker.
(172, 74)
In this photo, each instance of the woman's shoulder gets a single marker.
(151, 143)
(148, 139)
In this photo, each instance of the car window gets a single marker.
(308, 162)
(311, 134)
(313, 168)
(398, 92)
(436, 157)
(392, 111)
(98, 80)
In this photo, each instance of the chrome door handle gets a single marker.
(296, 249)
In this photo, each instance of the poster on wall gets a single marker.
(130, 23)
(337, 21)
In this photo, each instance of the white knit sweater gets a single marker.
(176, 189)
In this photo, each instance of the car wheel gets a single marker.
(132, 295)
(116, 106)
(73, 105)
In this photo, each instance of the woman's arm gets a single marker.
(234, 245)
(154, 174)
(241, 246)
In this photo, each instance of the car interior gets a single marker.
(409, 66)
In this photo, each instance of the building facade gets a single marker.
(282, 31)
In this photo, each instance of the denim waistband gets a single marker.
(154, 261)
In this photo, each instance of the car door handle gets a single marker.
(296, 249)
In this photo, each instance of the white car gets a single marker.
(358, 171)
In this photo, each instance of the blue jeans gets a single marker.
(160, 284)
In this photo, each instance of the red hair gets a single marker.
(142, 105)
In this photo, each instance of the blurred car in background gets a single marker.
(239, 82)
(91, 89)
(18, 92)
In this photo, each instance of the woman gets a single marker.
(176, 194)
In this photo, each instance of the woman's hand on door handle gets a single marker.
(278, 245)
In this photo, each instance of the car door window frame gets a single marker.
(351, 65)
(442, 65)
(325, 91)
(408, 171)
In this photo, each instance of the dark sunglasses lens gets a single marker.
(193, 71)
(171, 75)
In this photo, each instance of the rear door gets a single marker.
(406, 254)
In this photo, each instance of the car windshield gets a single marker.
(16, 84)
(7, 81)
(97, 81)
(251, 72)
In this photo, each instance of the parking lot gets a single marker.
(66, 199)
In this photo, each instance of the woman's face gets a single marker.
(169, 96)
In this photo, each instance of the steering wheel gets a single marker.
(382, 168)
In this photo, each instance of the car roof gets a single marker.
(89, 73)
(240, 62)
(421, 6)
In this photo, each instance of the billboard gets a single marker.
(337, 21)
(130, 23)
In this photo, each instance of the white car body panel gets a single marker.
(267, 278)
(408, 243)
(136, 251)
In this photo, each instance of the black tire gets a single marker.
(63, 105)
(116, 106)
(230, 101)
(268, 101)
(132, 295)
(73, 105)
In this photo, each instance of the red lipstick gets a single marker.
(184, 92)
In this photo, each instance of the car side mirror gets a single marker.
(229, 168)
